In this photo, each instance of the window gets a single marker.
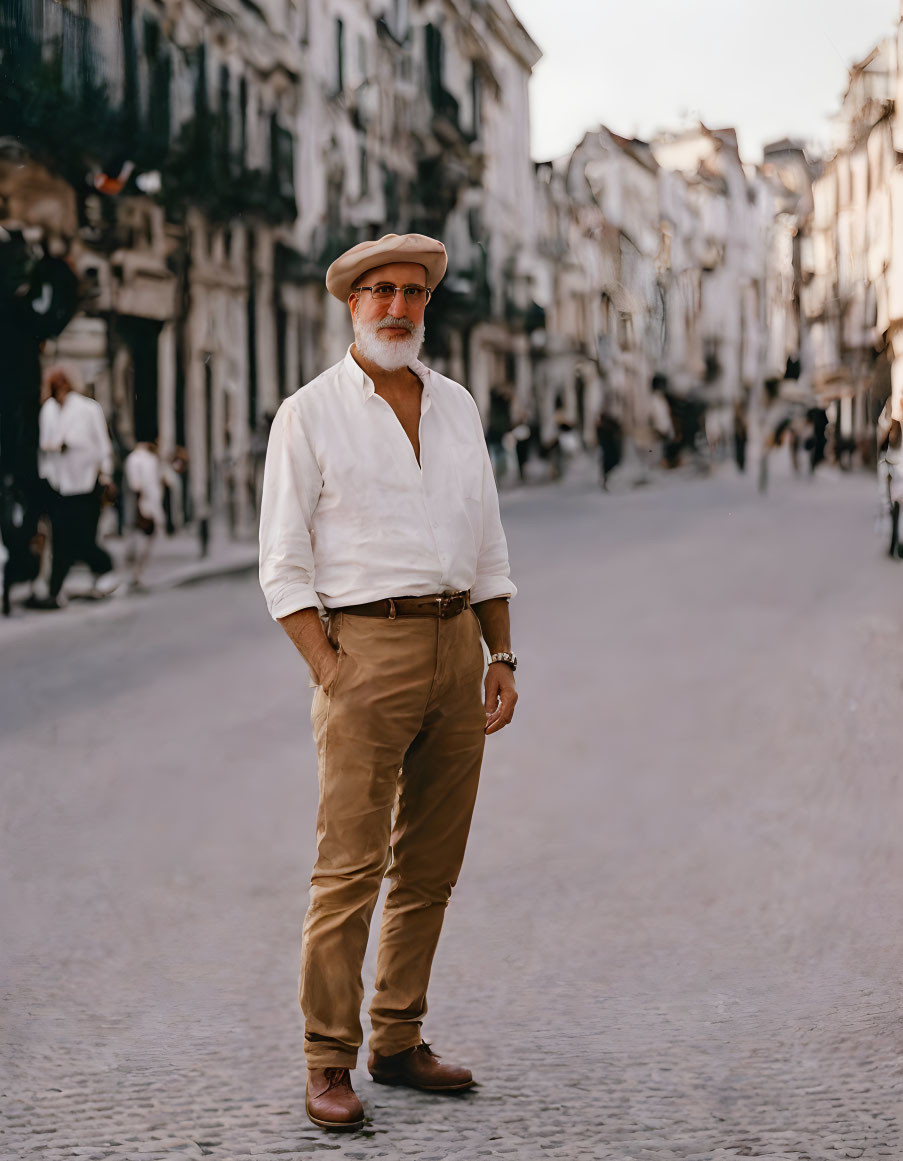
(391, 194)
(243, 122)
(200, 89)
(159, 69)
(434, 53)
(225, 119)
(282, 161)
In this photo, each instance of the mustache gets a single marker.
(389, 321)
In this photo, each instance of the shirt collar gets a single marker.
(357, 374)
(361, 379)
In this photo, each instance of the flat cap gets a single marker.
(348, 267)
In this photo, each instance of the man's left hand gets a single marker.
(501, 696)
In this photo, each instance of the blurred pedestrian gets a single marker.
(564, 444)
(741, 436)
(661, 421)
(21, 539)
(76, 462)
(799, 431)
(776, 422)
(379, 504)
(498, 427)
(144, 475)
(891, 472)
(524, 436)
(817, 443)
(610, 442)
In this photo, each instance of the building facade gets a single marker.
(197, 164)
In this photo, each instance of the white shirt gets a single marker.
(143, 473)
(75, 444)
(349, 516)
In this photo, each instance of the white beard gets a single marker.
(391, 354)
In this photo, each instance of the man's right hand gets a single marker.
(327, 669)
(306, 632)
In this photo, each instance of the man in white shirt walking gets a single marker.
(383, 558)
(77, 464)
(144, 475)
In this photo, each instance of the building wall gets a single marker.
(253, 144)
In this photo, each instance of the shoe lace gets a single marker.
(337, 1077)
(425, 1048)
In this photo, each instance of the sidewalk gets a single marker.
(176, 561)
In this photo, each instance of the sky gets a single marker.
(769, 68)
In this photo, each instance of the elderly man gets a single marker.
(382, 556)
(77, 464)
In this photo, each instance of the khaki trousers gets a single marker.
(399, 736)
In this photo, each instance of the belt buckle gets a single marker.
(446, 603)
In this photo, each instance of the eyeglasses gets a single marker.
(385, 293)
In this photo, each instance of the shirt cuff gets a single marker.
(293, 600)
(487, 588)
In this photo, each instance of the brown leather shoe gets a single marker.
(419, 1067)
(331, 1103)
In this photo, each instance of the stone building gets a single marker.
(852, 252)
(222, 154)
(180, 164)
(198, 164)
(653, 269)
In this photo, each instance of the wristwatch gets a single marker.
(508, 659)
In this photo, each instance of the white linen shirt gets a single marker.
(144, 475)
(80, 427)
(349, 516)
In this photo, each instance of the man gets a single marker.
(144, 474)
(379, 507)
(610, 442)
(77, 464)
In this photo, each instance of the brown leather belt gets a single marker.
(442, 605)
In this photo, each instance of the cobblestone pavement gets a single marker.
(678, 931)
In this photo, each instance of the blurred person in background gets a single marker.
(380, 507)
(610, 442)
(741, 436)
(776, 421)
(498, 427)
(661, 421)
(76, 463)
(524, 436)
(22, 540)
(890, 476)
(799, 431)
(144, 475)
(817, 443)
(563, 443)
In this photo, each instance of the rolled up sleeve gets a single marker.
(493, 571)
(291, 489)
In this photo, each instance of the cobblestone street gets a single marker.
(678, 930)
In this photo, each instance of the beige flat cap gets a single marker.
(348, 267)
